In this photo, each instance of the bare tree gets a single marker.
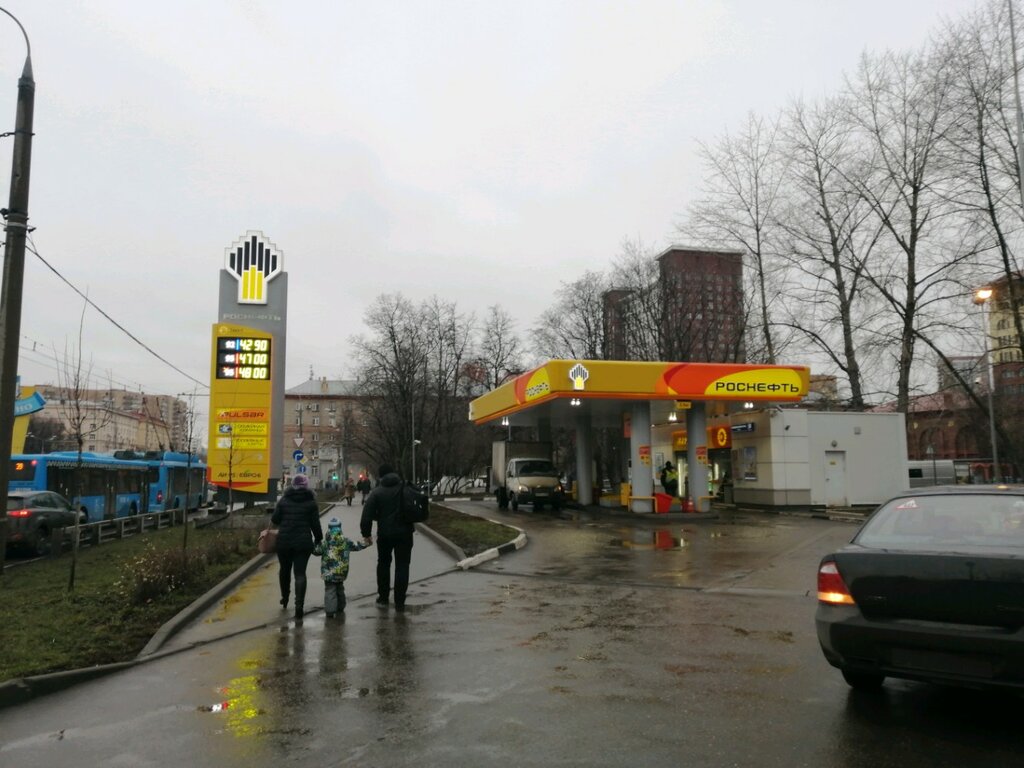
(191, 418)
(900, 107)
(641, 314)
(744, 179)
(829, 235)
(500, 352)
(391, 374)
(573, 327)
(83, 418)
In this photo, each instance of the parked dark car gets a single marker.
(931, 588)
(33, 515)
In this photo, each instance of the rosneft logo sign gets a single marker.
(715, 381)
(779, 382)
(254, 261)
(533, 386)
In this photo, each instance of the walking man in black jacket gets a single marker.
(394, 537)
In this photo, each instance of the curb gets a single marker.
(23, 689)
(517, 543)
(463, 562)
(187, 614)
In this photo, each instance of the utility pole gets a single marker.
(16, 216)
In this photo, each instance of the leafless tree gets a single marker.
(830, 233)
(414, 377)
(83, 419)
(744, 177)
(191, 418)
(900, 107)
(573, 327)
(500, 351)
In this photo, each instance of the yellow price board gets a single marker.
(240, 408)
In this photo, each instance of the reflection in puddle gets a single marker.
(652, 540)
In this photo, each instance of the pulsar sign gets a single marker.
(243, 357)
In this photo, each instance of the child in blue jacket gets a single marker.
(334, 551)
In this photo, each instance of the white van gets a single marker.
(937, 472)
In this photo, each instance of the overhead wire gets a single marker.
(31, 247)
(37, 353)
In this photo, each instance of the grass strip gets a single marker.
(472, 534)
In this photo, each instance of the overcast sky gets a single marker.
(480, 151)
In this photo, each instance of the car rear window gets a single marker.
(15, 502)
(950, 523)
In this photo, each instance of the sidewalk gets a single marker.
(249, 600)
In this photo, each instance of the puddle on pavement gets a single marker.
(665, 538)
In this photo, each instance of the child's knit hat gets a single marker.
(334, 523)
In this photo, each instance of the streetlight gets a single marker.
(981, 297)
(930, 451)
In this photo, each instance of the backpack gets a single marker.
(414, 506)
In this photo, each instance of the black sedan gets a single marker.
(931, 588)
(33, 515)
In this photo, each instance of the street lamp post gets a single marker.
(981, 297)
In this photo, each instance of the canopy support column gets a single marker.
(641, 476)
(697, 470)
(584, 459)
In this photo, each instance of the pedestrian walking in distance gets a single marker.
(394, 537)
(334, 551)
(363, 486)
(297, 516)
(350, 491)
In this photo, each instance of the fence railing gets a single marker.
(94, 534)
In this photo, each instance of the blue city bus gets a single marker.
(172, 476)
(106, 487)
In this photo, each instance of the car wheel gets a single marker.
(514, 503)
(863, 681)
(502, 499)
(41, 547)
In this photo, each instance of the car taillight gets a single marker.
(831, 587)
(18, 513)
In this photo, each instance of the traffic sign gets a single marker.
(301, 468)
(298, 455)
(298, 441)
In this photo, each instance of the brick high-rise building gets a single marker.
(696, 306)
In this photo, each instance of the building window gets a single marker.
(333, 421)
(298, 421)
(298, 407)
(332, 407)
(314, 407)
(314, 437)
(316, 421)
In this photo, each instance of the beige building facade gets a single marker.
(115, 420)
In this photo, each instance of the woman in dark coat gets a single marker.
(297, 517)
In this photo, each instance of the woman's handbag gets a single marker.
(267, 541)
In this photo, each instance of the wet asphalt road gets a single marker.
(602, 643)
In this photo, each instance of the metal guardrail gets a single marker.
(104, 531)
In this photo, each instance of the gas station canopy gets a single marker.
(558, 388)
